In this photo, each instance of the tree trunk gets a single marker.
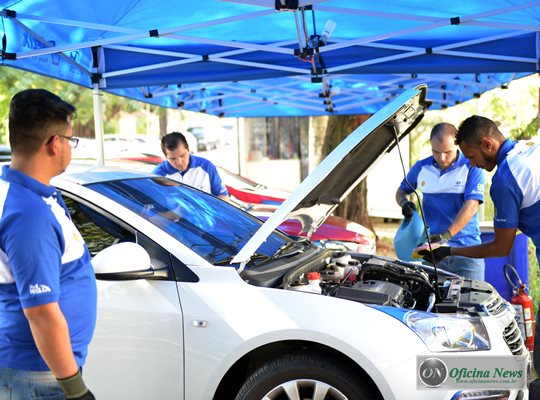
(163, 121)
(354, 207)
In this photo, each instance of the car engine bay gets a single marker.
(372, 279)
(382, 281)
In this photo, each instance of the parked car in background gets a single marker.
(249, 191)
(262, 201)
(207, 139)
(117, 146)
(200, 300)
(142, 161)
(5, 153)
(335, 232)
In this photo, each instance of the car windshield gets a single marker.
(212, 228)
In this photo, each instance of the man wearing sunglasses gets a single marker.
(47, 283)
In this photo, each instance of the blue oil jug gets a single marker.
(410, 234)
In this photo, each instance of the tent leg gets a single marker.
(241, 146)
(98, 125)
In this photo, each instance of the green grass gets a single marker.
(534, 274)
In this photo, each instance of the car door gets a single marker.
(137, 348)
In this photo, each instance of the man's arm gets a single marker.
(401, 197)
(463, 216)
(50, 331)
(217, 187)
(499, 247)
(407, 207)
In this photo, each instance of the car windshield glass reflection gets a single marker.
(209, 226)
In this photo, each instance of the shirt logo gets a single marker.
(480, 187)
(77, 237)
(422, 183)
(496, 217)
(458, 183)
(39, 289)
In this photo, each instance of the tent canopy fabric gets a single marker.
(270, 57)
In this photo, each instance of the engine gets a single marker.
(373, 279)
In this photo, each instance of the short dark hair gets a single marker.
(34, 116)
(438, 129)
(172, 140)
(473, 129)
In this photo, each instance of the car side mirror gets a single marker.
(123, 261)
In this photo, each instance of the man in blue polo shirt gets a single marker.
(452, 191)
(47, 283)
(187, 168)
(515, 190)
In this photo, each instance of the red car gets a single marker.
(262, 201)
(330, 235)
(248, 191)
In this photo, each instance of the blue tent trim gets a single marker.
(233, 58)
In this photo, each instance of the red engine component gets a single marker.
(523, 304)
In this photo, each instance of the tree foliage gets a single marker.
(527, 132)
(13, 81)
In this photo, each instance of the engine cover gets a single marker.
(373, 292)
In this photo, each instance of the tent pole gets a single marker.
(98, 124)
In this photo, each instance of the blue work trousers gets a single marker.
(472, 268)
(16, 384)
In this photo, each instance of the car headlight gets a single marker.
(444, 333)
(449, 332)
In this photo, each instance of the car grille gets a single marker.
(500, 308)
(512, 337)
(496, 306)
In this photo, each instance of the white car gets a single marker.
(200, 300)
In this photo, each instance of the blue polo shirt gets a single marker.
(43, 259)
(445, 192)
(515, 188)
(200, 174)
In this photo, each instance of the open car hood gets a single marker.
(343, 169)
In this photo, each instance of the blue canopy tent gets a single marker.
(270, 57)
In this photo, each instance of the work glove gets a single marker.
(439, 253)
(87, 396)
(407, 209)
(74, 388)
(446, 236)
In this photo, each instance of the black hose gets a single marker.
(506, 267)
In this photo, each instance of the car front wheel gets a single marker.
(305, 376)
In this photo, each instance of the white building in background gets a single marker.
(383, 181)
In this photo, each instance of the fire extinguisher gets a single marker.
(523, 304)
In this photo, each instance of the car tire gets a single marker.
(305, 376)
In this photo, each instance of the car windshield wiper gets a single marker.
(227, 260)
(293, 247)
